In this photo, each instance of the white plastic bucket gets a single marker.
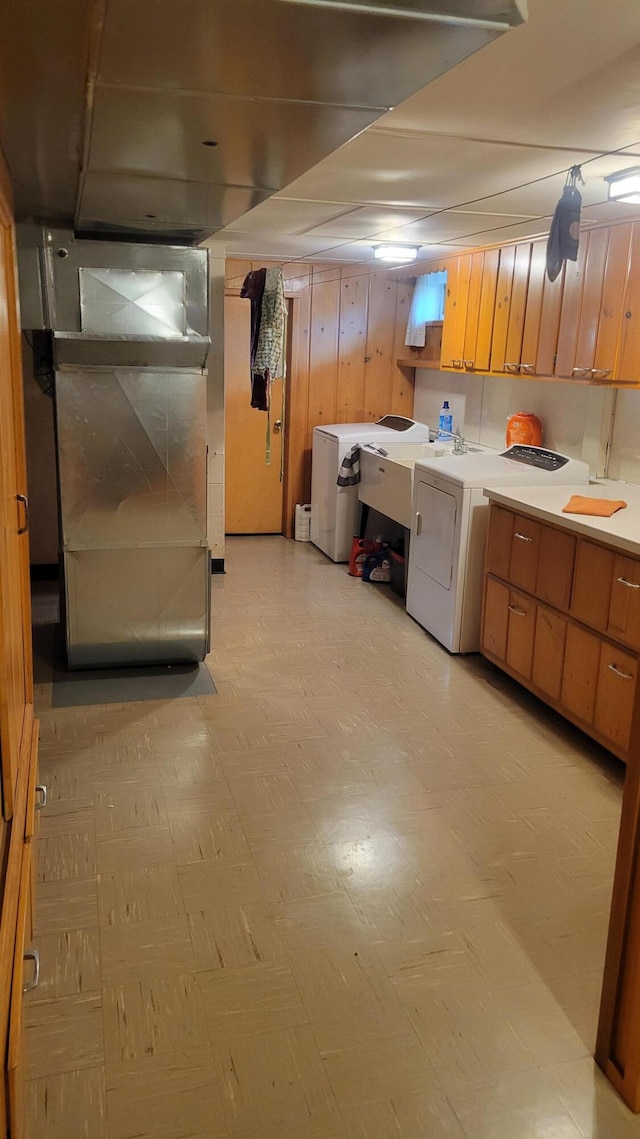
(303, 522)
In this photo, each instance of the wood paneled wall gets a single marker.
(348, 328)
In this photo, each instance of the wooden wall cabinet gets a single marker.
(562, 615)
(469, 311)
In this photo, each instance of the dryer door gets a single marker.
(435, 533)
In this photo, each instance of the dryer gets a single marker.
(446, 554)
(334, 509)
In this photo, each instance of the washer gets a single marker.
(446, 554)
(334, 509)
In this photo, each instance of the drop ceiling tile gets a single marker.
(450, 226)
(366, 221)
(286, 215)
(281, 246)
(570, 77)
(383, 167)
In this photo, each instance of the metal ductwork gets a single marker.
(169, 119)
(129, 330)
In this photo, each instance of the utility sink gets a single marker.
(386, 481)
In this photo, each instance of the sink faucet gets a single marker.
(459, 444)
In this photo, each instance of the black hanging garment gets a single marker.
(564, 235)
(253, 288)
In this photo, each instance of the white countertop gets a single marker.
(622, 530)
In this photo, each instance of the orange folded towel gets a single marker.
(599, 507)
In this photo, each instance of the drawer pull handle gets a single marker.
(418, 523)
(25, 502)
(456, 363)
(469, 363)
(600, 373)
(32, 955)
(511, 367)
(521, 613)
(629, 584)
(522, 537)
(527, 367)
(41, 796)
(619, 672)
(581, 371)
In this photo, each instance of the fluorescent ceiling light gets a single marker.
(625, 186)
(396, 252)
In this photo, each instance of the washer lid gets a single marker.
(500, 470)
(404, 431)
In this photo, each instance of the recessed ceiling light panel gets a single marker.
(401, 253)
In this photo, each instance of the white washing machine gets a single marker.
(446, 554)
(334, 509)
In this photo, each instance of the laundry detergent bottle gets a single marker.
(445, 422)
(524, 427)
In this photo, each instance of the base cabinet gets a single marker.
(562, 616)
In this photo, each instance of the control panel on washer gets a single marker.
(536, 457)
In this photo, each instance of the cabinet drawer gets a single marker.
(615, 696)
(548, 652)
(499, 541)
(624, 607)
(555, 567)
(496, 618)
(592, 585)
(520, 634)
(580, 673)
(525, 552)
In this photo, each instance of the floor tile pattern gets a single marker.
(361, 893)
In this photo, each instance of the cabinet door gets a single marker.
(593, 285)
(15, 1074)
(496, 618)
(490, 262)
(525, 552)
(548, 652)
(16, 689)
(555, 567)
(503, 308)
(592, 585)
(615, 695)
(628, 356)
(521, 634)
(455, 312)
(517, 309)
(624, 607)
(580, 673)
(472, 316)
(611, 307)
(499, 541)
(574, 273)
(533, 312)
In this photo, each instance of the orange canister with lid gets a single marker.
(524, 427)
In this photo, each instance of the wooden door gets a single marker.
(611, 306)
(253, 489)
(472, 316)
(533, 311)
(548, 652)
(592, 585)
(574, 273)
(615, 696)
(521, 634)
(580, 673)
(16, 684)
